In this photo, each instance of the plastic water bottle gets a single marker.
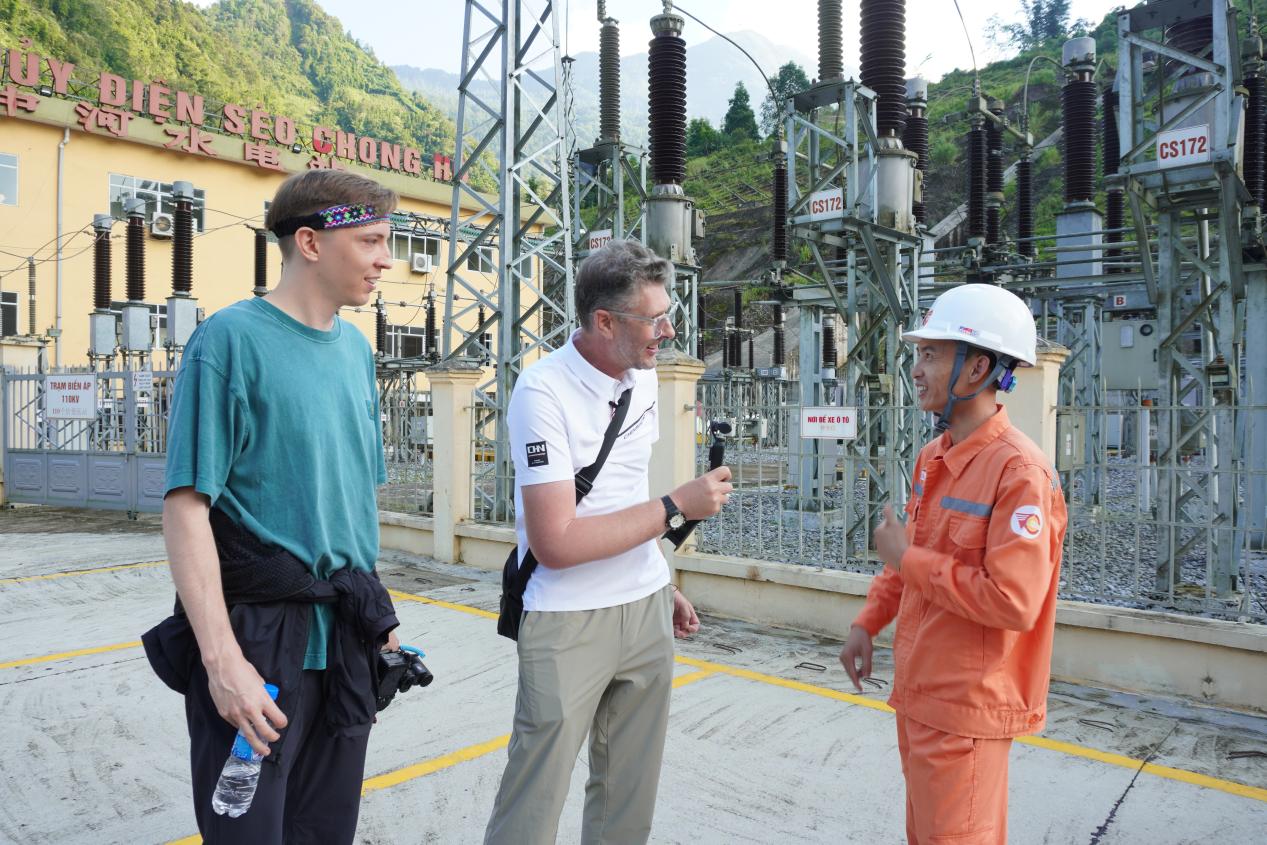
(241, 774)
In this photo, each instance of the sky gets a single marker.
(428, 33)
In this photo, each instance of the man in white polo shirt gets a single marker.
(596, 639)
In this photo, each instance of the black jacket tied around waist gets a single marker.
(270, 593)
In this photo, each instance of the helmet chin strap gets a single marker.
(961, 355)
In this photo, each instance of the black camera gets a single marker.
(398, 671)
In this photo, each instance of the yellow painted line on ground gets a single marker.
(462, 755)
(408, 773)
(708, 668)
(77, 572)
(460, 608)
(437, 764)
(67, 655)
(1181, 775)
(774, 680)
(690, 678)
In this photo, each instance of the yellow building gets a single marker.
(75, 143)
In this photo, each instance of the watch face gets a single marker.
(677, 520)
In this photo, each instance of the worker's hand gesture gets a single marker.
(856, 656)
(890, 539)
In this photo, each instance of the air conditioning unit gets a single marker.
(163, 225)
(421, 263)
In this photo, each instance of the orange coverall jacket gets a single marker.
(975, 599)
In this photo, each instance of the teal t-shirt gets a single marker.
(278, 424)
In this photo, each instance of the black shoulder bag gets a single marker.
(515, 575)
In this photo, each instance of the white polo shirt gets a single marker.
(559, 411)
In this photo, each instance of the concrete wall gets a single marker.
(1140, 651)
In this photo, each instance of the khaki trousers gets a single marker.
(605, 672)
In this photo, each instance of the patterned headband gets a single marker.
(335, 217)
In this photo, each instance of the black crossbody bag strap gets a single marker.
(584, 482)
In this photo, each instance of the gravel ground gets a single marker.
(1111, 551)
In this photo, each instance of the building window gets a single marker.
(406, 341)
(8, 179)
(405, 245)
(481, 260)
(157, 195)
(8, 313)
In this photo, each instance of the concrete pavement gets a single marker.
(764, 747)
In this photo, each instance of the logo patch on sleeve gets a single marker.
(1027, 522)
(537, 454)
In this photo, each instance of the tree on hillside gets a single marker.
(740, 123)
(790, 80)
(1042, 21)
(702, 138)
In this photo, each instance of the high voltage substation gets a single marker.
(1155, 296)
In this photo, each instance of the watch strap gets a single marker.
(670, 509)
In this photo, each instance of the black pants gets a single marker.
(312, 794)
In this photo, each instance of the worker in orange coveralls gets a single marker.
(971, 576)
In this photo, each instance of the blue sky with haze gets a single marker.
(428, 33)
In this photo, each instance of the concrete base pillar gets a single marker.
(452, 408)
(673, 455)
(1032, 405)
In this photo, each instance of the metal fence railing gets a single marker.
(1170, 529)
(85, 438)
(797, 500)
(1175, 536)
(407, 443)
(106, 429)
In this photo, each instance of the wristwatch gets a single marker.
(673, 517)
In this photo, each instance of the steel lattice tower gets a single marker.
(1211, 360)
(514, 136)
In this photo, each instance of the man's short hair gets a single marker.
(611, 276)
(316, 190)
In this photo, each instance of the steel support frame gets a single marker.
(604, 177)
(518, 140)
(684, 309)
(875, 292)
(1079, 387)
(1199, 450)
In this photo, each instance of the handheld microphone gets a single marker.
(716, 457)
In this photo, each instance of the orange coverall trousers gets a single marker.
(956, 786)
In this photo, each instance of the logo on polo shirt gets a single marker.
(537, 454)
(1027, 522)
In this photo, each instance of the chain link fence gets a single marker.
(1166, 531)
(1169, 536)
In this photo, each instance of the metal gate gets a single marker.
(78, 438)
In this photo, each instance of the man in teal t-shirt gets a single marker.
(275, 422)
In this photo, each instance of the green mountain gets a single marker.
(288, 55)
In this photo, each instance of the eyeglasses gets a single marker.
(662, 324)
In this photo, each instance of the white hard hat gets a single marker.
(985, 316)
